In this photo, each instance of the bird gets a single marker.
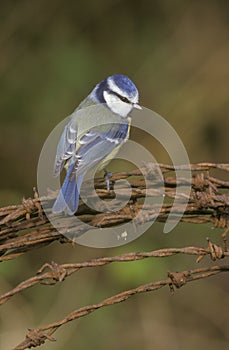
(95, 131)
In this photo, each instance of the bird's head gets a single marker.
(118, 92)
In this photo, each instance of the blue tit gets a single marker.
(93, 136)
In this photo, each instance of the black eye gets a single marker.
(124, 99)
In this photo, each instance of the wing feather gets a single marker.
(90, 149)
(66, 146)
(95, 146)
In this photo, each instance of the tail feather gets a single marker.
(68, 197)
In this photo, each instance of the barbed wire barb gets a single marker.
(37, 337)
(24, 227)
(52, 273)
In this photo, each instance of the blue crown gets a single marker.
(121, 81)
(124, 83)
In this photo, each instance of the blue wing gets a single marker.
(66, 147)
(92, 148)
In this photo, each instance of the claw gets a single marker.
(107, 176)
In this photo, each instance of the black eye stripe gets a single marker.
(122, 98)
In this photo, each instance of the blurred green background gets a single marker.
(52, 54)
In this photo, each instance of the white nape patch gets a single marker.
(116, 105)
(113, 87)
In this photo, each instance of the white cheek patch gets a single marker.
(117, 106)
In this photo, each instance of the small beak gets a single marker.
(137, 106)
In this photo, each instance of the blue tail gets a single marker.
(68, 197)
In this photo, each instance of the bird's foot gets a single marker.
(107, 176)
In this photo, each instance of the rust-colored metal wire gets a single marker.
(37, 337)
(52, 273)
(24, 227)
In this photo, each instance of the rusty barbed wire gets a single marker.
(37, 337)
(25, 227)
(58, 272)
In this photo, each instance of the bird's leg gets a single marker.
(107, 176)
